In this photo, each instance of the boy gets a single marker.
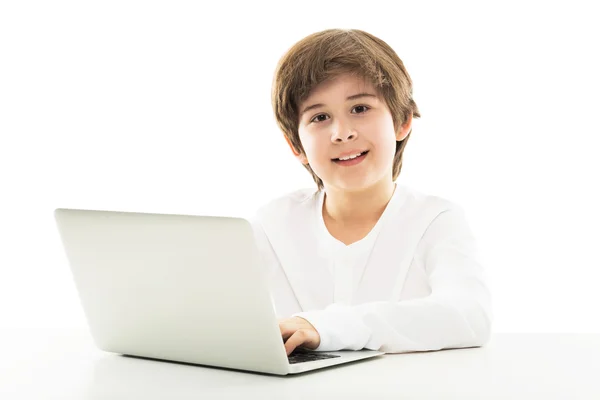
(363, 262)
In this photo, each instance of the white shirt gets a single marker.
(414, 283)
(347, 262)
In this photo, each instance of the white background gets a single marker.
(165, 107)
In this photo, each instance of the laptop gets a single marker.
(181, 288)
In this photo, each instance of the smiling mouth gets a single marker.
(348, 159)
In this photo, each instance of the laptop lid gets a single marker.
(173, 287)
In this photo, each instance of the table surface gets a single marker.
(65, 364)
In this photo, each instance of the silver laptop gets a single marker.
(181, 288)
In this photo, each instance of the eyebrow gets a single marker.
(353, 97)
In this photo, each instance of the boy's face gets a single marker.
(346, 117)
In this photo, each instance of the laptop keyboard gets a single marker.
(299, 356)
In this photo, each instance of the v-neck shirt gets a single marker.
(414, 283)
(347, 262)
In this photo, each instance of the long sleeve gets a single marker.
(456, 314)
(284, 301)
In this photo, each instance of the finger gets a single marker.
(297, 339)
(287, 330)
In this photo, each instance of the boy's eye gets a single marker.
(361, 108)
(318, 118)
(323, 117)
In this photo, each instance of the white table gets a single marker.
(66, 365)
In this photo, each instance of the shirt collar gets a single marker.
(331, 244)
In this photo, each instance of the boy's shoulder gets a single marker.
(421, 198)
(289, 202)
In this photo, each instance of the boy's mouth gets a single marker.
(351, 156)
(352, 159)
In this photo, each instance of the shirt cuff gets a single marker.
(339, 328)
(319, 321)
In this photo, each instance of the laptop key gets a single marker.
(296, 358)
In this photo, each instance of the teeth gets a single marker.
(349, 157)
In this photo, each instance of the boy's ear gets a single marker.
(404, 129)
(301, 157)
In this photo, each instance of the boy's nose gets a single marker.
(345, 138)
(343, 133)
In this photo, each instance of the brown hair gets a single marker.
(325, 55)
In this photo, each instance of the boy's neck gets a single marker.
(354, 208)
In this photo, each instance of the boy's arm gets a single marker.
(456, 314)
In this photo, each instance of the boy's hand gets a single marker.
(296, 332)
